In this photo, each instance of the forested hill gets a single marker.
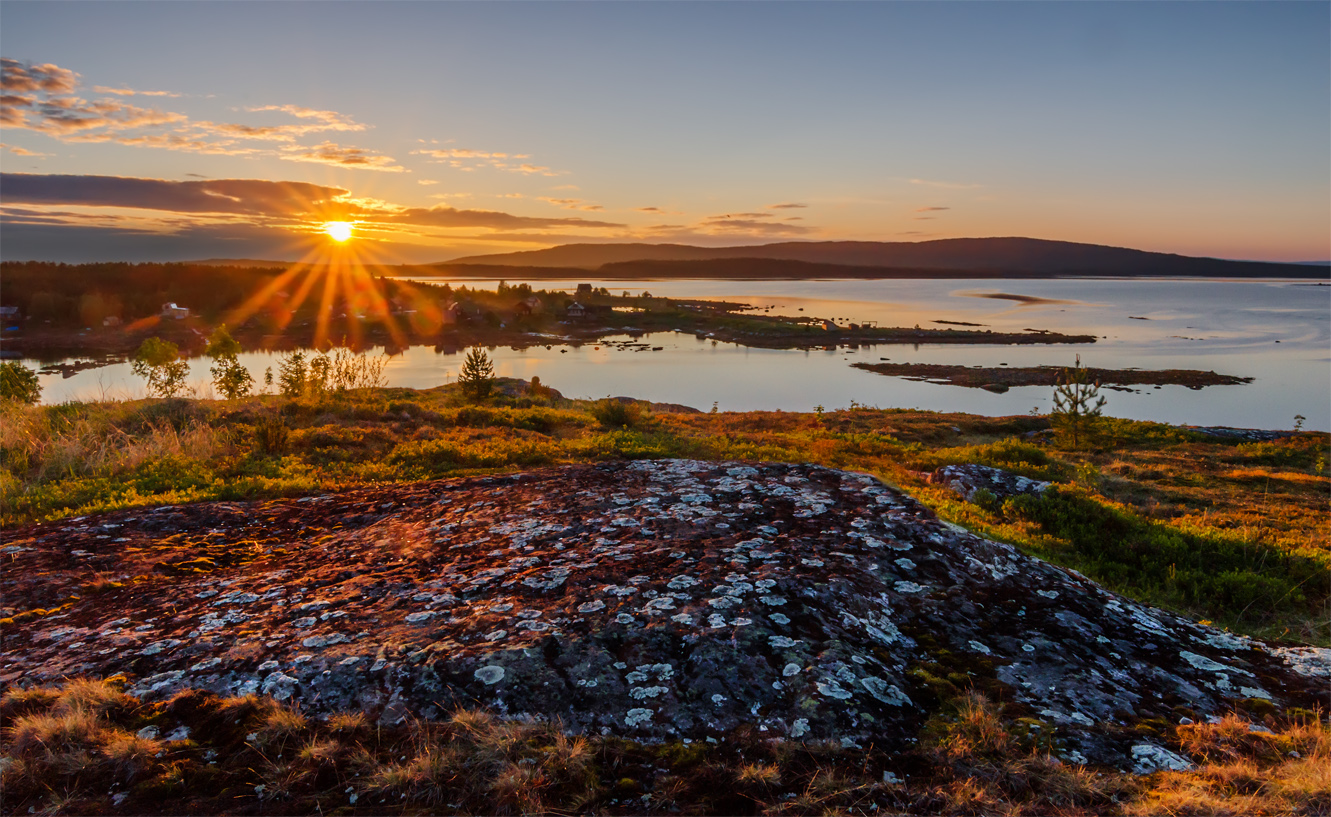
(1002, 256)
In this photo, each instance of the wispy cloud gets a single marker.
(450, 217)
(931, 209)
(469, 160)
(787, 206)
(427, 182)
(215, 196)
(102, 89)
(42, 98)
(571, 204)
(331, 154)
(18, 151)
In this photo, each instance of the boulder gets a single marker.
(653, 599)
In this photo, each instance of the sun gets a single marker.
(338, 230)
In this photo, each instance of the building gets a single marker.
(576, 311)
(172, 311)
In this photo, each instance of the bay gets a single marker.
(1278, 332)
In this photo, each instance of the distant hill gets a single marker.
(953, 257)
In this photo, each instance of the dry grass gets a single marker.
(75, 744)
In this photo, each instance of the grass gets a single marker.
(80, 748)
(1230, 532)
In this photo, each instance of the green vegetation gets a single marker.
(477, 376)
(18, 382)
(88, 748)
(1222, 530)
(231, 379)
(158, 361)
(1077, 404)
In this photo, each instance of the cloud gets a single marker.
(739, 216)
(102, 89)
(650, 210)
(787, 206)
(931, 209)
(511, 196)
(944, 185)
(41, 98)
(426, 181)
(450, 217)
(18, 151)
(753, 227)
(924, 218)
(469, 160)
(214, 196)
(21, 77)
(572, 204)
(330, 154)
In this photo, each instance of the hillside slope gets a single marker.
(994, 255)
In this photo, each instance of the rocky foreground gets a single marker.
(654, 599)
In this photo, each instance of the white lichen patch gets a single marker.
(1148, 758)
(637, 717)
(490, 675)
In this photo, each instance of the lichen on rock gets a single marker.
(658, 599)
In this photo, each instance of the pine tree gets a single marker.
(478, 374)
(1077, 404)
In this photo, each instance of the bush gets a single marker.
(158, 361)
(612, 413)
(231, 379)
(272, 437)
(19, 383)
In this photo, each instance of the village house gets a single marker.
(576, 311)
(527, 306)
(172, 311)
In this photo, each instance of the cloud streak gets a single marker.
(42, 98)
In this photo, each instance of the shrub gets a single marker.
(272, 437)
(19, 383)
(231, 379)
(158, 361)
(612, 413)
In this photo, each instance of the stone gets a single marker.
(966, 480)
(802, 618)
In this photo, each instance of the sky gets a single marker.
(175, 131)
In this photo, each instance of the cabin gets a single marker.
(172, 311)
(584, 290)
(830, 326)
(528, 306)
(576, 311)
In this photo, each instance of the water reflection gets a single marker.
(1277, 332)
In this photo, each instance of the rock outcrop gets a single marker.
(967, 479)
(653, 599)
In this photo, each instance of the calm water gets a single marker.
(1276, 332)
